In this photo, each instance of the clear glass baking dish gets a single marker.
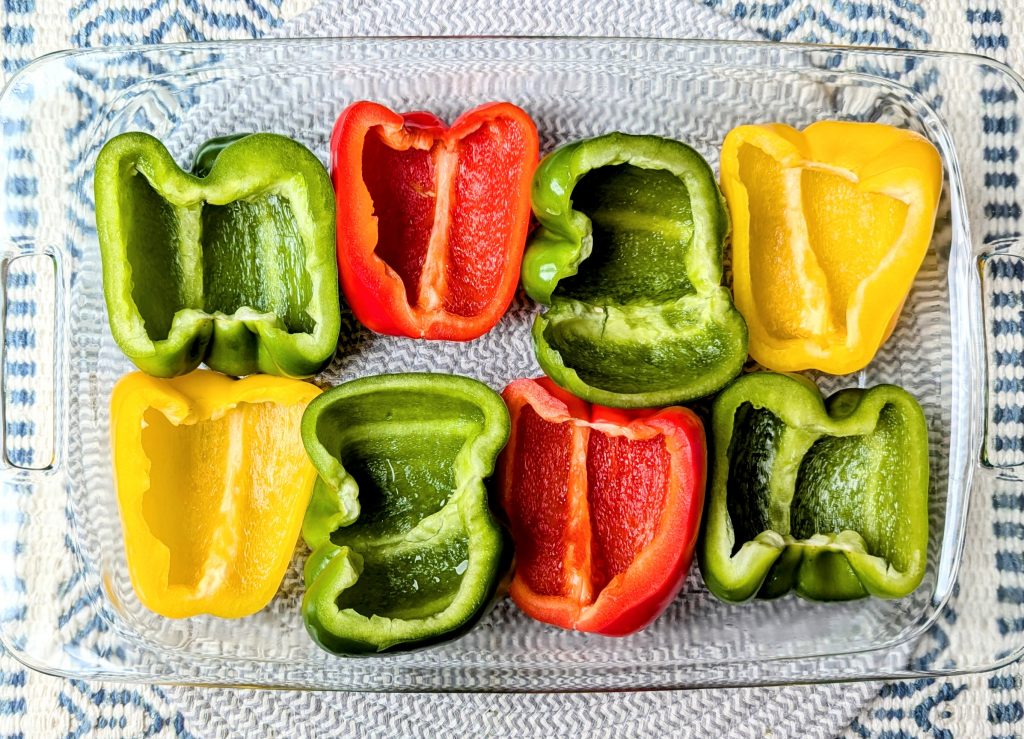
(66, 605)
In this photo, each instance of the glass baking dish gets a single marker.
(66, 605)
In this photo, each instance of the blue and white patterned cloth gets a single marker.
(33, 705)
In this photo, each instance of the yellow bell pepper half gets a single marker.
(830, 225)
(212, 484)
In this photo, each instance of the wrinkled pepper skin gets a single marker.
(212, 485)
(825, 498)
(405, 549)
(235, 268)
(604, 507)
(432, 220)
(628, 259)
(830, 226)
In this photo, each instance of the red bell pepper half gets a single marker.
(432, 220)
(604, 507)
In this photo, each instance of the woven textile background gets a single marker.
(32, 705)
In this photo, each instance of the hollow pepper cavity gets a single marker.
(432, 220)
(235, 268)
(405, 549)
(604, 507)
(826, 498)
(830, 226)
(212, 484)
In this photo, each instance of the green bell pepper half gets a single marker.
(405, 549)
(628, 259)
(826, 498)
(236, 268)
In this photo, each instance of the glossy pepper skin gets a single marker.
(830, 226)
(825, 498)
(235, 268)
(432, 220)
(212, 485)
(604, 507)
(628, 259)
(405, 549)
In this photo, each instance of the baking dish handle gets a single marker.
(30, 332)
(1001, 269)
